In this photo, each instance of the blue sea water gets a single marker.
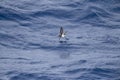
(30, 48)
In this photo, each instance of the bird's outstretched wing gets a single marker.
(61, 30)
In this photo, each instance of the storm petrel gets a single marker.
(62, 34)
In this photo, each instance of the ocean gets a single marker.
(30, 48)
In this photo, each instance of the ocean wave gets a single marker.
(30, 47)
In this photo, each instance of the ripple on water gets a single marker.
(30, 28)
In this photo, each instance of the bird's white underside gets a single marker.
(63, 35)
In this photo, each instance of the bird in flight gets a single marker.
(62, 34)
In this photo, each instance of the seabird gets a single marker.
(62, 34)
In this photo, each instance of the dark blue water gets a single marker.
(30, 48)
